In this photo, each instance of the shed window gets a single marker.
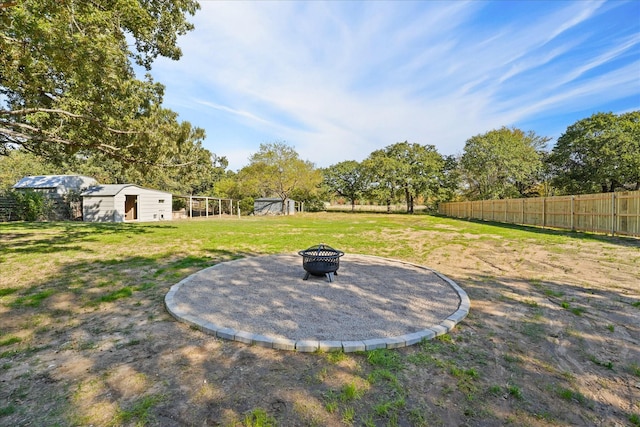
(161, 201)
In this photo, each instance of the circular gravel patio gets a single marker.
(372, 303)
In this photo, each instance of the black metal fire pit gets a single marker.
(321, 260)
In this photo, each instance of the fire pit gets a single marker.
(321, 260)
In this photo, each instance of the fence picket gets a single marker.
(614, 213)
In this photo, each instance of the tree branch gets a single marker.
(68, 114)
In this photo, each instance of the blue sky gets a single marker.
(338, 80)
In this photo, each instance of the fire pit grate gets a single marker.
(321, 260)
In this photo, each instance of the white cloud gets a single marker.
(338, 80)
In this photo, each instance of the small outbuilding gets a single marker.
(273, 206)
(125, 202)
(55, 184)
(62, 190)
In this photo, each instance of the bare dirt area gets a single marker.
(552, 338)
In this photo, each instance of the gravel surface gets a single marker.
(371, 297)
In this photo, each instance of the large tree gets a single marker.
(599, 153)
(502, 163)
(347, 179)
(407, 169)
(67, 83)
(277, 170)
(418, 170)
(382, 173)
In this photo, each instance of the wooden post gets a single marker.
(190, 206)
(544, 211)
(573, 213)
(613, 213)
(206, 207)
(219, 208)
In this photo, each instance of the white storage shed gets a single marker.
(273, 206)
(61, 190)
(125, 202)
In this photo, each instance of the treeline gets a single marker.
(597, 154)
(71, 103)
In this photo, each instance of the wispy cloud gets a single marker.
(340, 79)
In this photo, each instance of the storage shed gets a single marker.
(56, 184)
(62, 190)
(273, 206)
(125, 202)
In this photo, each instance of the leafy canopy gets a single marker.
(405, 169)
(347, 179)
(502, 163)
(67, 84)
(276, 170)
(598, 153)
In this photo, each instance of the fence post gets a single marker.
(522, 213)
(573, 225)
(613, 213)
(544, 211)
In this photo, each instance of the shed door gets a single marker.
(130, 208)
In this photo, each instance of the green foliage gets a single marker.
(384, 358)
(259, 418)
(33, 300)
(30, 205)
(247, 205)
(7, 410)
(571, 395)
(347, 179)
(502, 163)
(10, 341)
(178, 204)
(405, 170)
(68, 90)
(116, 295)
(515, 392)
(598, 154)
(276, 170)
(139, 411)
(350, 392)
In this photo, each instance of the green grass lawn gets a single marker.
(85, 339)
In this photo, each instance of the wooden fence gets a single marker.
(611, 213)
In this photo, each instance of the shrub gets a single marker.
(246, 206)
(30, 205)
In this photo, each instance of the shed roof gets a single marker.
(64, 182)
(103, 190)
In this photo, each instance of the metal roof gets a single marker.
(113, 189)
(63, 182)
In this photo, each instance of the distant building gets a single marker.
(273, 206)
(62, 190)
(125, 202)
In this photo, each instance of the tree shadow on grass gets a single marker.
(98, 347)
(82, 324)
(555, 351)
(35, 237)
(626, 241)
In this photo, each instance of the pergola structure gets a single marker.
(204, 206)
